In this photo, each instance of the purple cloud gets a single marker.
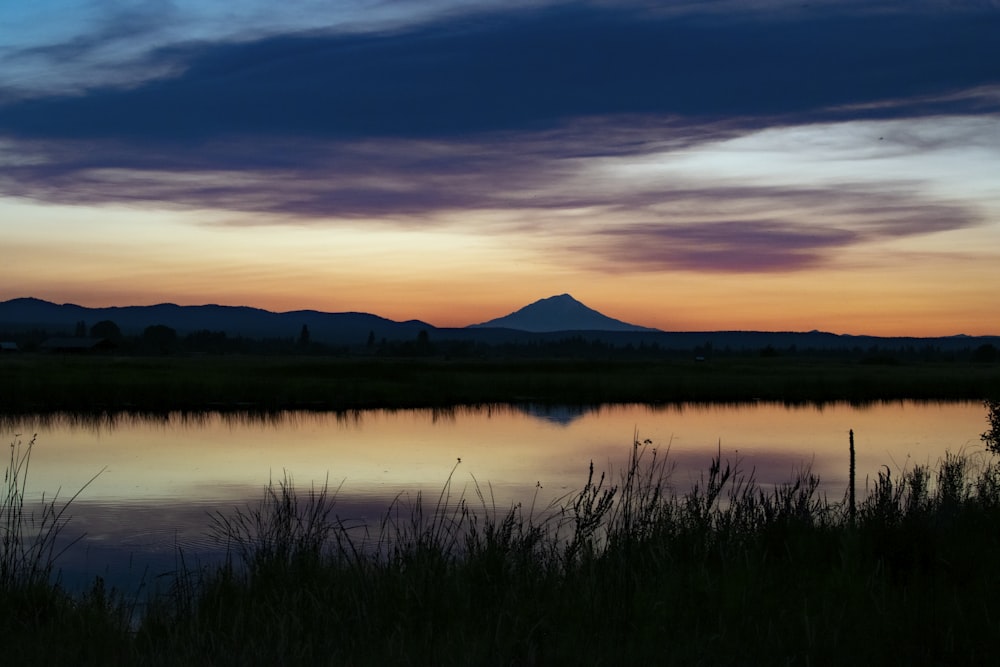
(496, 110)
(770, 245)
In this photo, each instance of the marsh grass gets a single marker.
(283, 528)
(626, 569)
(629, 568)
(28, 546)
(39, 622)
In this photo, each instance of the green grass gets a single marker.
(47, 383)
(628, 569)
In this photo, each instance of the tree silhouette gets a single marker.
(159, 336)
(304, 336)
(986, 353)
(106, 329)
(992, 436)
(424, 346)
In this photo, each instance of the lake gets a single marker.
(164, 475)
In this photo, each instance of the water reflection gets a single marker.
(564, 415)
(167, 472)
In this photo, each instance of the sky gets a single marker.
(689, 165)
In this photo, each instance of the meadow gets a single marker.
(49, 383)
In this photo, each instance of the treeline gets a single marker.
(159, 339)
(581, 347)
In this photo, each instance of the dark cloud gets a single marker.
(664, 225)
(362, 178)
(732, 245)
(775, 245)
(497, 110)
(534, 69)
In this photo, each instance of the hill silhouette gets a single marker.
(546, 322)
(339, 328)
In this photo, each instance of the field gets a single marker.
(45, 383)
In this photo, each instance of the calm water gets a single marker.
(163, 476)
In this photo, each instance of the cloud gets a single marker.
(502, 110)
(89, 42)
(636, 226)
(346, 179)
(531, 69)
(826, 225)
(741, 246)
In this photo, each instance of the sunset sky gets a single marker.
(720, 164)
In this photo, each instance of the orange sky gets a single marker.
(929, 296)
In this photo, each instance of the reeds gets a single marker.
(28, 545)
(39, 622)
(630, 568)
(720, 572)
(281, 529)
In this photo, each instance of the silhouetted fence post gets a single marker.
(853, 509)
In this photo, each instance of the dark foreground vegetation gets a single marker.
(51, 383)
(626, 571)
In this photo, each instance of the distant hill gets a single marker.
(558, 313)
(544, 323)
(335, 328)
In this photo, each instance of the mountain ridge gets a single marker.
(248, 321)
(355, 329)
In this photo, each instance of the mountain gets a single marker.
(546, 322)
(558, 313)
(338, 328)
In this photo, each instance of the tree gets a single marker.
(423, 343)
(985, 353)
(81, 329)
(304, 336)
(106, 329)
(159, 336)
(992, 436)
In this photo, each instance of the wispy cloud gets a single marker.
(729, 246)
(824, 225)
(342, 179)
(503, 110)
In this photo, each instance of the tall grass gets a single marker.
(39, 622)
(629, 568)
(28, 546)
(626, 569)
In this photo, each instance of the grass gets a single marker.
(36, 615)
(51, 383)
(28, 545)
(627, 569)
